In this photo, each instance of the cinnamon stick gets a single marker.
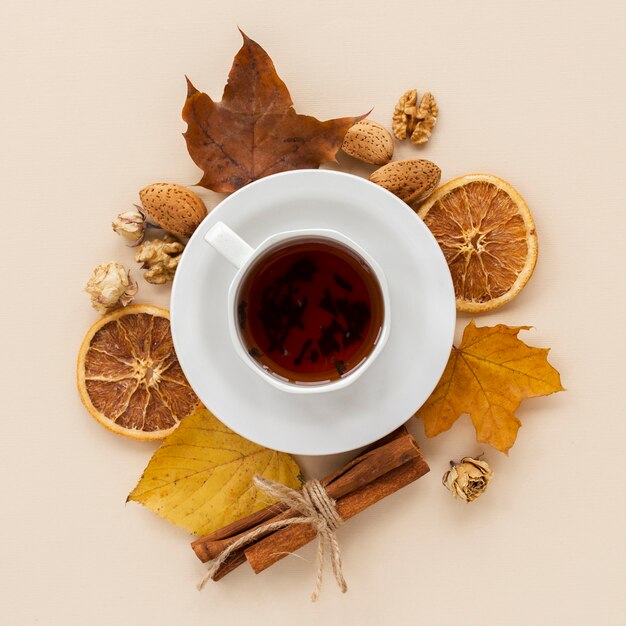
(271, 549)
(393, 451)
(380, 470)
(254, 519)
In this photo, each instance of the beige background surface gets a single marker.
(90, 109)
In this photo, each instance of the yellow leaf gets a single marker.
(488, 376)
(201, 476)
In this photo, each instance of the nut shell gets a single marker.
(370, 142)
(412, 180)
(173, 207)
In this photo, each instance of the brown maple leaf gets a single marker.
(254, 131)
(487, 376)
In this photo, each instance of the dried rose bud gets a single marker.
(468, 479)
(110, 287)
(159, 257)
(131, 225)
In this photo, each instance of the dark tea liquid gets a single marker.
(310, 310)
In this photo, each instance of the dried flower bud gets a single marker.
(131, 225)
(110, 287)
(468, 479)
(160, 258)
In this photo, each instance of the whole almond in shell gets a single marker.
(369, 141)
(412, 180)
(173, 207)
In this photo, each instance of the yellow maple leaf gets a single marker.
(487, 376)
(201, 476)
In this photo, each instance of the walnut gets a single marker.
(402, 122)
(426, 117)
(411, 120)
(160, 258)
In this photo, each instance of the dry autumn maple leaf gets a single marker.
(254, 131)
(201, 476)
(487, 376)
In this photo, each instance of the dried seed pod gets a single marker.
(370, 142)
(412, 180)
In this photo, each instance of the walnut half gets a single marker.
(411, 120)
(160, 258)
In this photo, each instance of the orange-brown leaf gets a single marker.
(487, 376)
(254, 131)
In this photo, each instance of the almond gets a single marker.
(412, 180)
(173, 207)
(369, 141)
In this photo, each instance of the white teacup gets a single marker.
(243, 256)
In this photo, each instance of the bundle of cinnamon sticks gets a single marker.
(386, 466)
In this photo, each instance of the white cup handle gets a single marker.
(229, 244)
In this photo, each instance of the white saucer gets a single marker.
(422, 308)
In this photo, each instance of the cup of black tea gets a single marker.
(308, 310)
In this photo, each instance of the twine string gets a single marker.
(316, 508)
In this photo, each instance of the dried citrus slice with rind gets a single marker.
(129, 377)
(487, 234)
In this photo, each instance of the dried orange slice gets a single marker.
(129, 377)
(487, 235)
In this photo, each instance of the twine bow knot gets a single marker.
(316, 508)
